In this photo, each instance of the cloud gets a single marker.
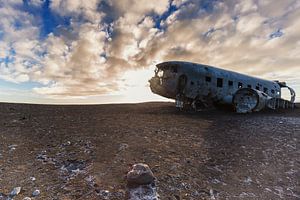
(19, 42)
(106, 38)
(77, 9)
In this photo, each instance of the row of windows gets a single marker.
(240, 85)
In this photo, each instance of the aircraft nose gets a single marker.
(154, 82)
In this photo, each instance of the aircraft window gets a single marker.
(219, 82)
(257, 87)
(265, 90)
(160, 73)
(207, 79)
(174, 69)
(240, 85)
(272, 91)
(230, 83)
(249, 86)
(156, 71)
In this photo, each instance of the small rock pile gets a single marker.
(141, 183)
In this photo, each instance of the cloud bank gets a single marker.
(82, 48)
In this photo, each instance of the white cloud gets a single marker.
(78, 8)
(20, 38)
(90, 56)
(245, 6)
(250, 23)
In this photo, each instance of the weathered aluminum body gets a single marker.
(202, 85)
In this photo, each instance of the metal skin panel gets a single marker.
(247, 100)
(191, 83)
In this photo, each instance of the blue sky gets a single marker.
(101, 51)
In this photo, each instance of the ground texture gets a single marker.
(84, 152)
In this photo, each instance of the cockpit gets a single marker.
(165, 71)
(164, 80)
(159, 72)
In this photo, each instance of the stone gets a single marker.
(104, 194)
(27, 198)
(36, 193)
(144, 192)
(15, 191)
(2, 195)
(140, 174)
(12, 147)
(123, 146)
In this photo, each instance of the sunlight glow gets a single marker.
(135, 87)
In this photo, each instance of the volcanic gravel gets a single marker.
(85, 151)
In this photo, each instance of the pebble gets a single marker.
(103, 193)
(248, 180)
(27, 198)
(212, 195)
(12, 147)
(140, 174)
(123, 146)
(15, 191)
(2, 195)
(36, 193)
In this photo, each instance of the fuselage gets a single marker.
(206, 83)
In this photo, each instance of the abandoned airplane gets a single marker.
(199, 86)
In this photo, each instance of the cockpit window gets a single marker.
(160, 73)
(174, 69)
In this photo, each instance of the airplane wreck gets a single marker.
(201, 86)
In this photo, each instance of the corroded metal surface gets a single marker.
(197, 85)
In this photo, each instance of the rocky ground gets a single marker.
(84, 152)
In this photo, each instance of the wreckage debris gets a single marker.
(141, 183)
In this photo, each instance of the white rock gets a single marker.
(27, 198)
(212, 196)
(144, 192)
(248, 180)
(15, 191)
(123, 146)
(36, 193)
(12, 147)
